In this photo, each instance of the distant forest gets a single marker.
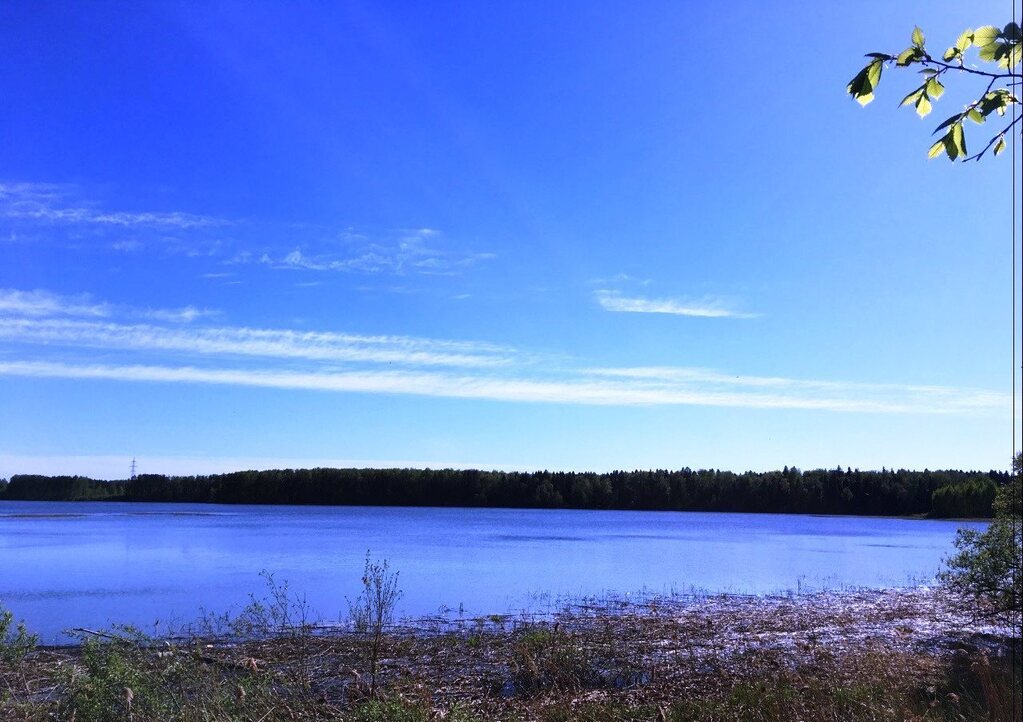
(939, 494)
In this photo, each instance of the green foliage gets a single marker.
(117, 684)
(390, 711)
(127, 676)
(397, 710)
(15, 640)
(987, 565)
(1001, 47)
(36, 487)
(887, 492)
(972, 499)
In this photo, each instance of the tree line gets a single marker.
(821, 491)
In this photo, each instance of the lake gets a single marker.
(89, 564)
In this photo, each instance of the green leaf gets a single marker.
(1014, 56)
(1007, 54)
(906, 57)
(975, 116)
(950, 54)
(860, 88)
(928, 71)
(992, 101)
(935, 89)
(923, 105)
(878, 56)
(950, 147)
(964, 40)
(1012, 32)
(874, 73)
(912, 97)
(918, 37)
(958, 138)
(1000, 144)
(986, 35)
(987, 52)
(935, 150)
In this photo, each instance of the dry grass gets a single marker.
(854, 656)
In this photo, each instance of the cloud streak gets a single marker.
(704, 308)
(45, 204)
(410, 254)
(596, 392)
(53, 336)
(39, 303)
(44, 303)
(61, 215)
(240, 341)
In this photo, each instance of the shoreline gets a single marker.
(231, 505)
(593, 660)
(885, 613)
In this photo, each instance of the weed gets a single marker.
(373, 610)
(279, 613)
(550, 659)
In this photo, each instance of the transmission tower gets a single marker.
(133, 468)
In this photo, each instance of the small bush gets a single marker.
(15, 640)
(373, 610)
(117, 683)
(987, 565)
(130, 678)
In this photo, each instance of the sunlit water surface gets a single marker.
(70, 564)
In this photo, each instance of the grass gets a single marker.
(858, 656)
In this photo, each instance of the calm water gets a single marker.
(65, 564)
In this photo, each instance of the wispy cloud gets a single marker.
(266, 343)
(707, 307)
(131, 245)
(40, 303)
(67, 217)
(49, 204)
(44, 303)
(843, 395)
(177, 315)
(413, 252)
(50, 333)
(602, 392)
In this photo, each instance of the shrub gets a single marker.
(117, 683)
(987, 565)
(15, 641)
(128, 677)
(374, 609)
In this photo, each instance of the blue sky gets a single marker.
(574, 236)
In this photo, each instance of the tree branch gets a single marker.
(994, 139)
(928, 59)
